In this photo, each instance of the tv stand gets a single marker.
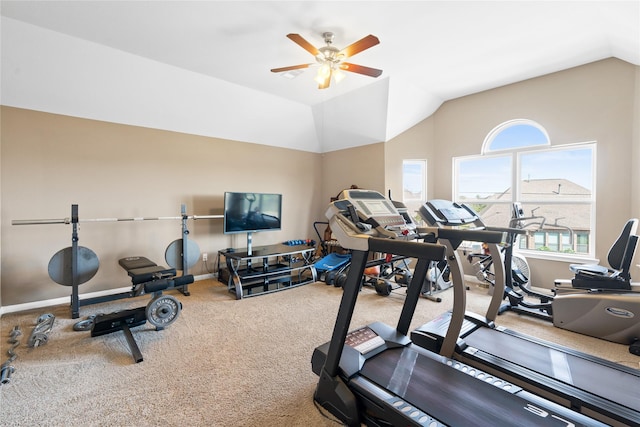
(264, 269)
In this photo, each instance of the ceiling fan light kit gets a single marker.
(331, 59)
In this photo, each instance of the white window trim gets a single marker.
(515, 158)
(486, 144)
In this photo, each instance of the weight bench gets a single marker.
(147, 276)
(162, 310)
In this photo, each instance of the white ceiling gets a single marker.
(429, 51)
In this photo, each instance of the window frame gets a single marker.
(516, 154)
(424, 165)
(496, 131)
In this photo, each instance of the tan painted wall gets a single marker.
(417, 143)
(596, 102)
(50, 162)
(361, 166)
(635, 152)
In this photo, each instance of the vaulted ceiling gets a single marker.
(203, 67)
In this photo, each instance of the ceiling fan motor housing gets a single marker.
(329, 54)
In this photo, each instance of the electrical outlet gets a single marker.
(204, 257)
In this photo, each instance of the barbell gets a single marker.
(69, 220)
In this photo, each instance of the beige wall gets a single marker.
(595, 102)
(50, 162)
(361, 166)
(417, 143)
(635, 152)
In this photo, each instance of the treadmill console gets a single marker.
(360, 214)
(446, 212)
(373, 205)
(364, 340)
(379, 212)
(404, 212)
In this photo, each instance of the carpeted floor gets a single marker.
(222, 363)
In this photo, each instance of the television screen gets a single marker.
(250, 212)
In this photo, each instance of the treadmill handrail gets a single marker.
(509, 230)
(413, 249)
(470, 234)
(452, 238)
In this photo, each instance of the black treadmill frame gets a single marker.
(355, 399)
(553, 389)
(332, 392)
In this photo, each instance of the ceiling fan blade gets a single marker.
(360, 69)
(360, 45)
(292, 67)
(297, 38)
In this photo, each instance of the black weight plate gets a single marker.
(60, 266)
(163, 311)
(173, 254)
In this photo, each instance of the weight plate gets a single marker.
(173, 254)
(341, 280)
(330, 277)
(60, 266)
(163, 311)
(83, 325)
(383, 288)
(45, 317)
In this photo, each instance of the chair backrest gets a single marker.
(616, 254)
(627, 259)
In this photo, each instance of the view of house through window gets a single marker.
(414, 186)
(553, 185)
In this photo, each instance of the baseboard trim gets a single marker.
(67, 300)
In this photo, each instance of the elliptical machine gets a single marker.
(517, 275)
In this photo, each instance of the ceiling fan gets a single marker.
(331, 59)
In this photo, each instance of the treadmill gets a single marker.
(587, 384)
(376, 376)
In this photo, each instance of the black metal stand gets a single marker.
(75, 277)
(122, 321)
(185, 260)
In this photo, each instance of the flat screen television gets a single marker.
(252, 212)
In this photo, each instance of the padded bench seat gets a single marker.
(142, 269)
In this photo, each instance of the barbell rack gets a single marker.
(73, 266)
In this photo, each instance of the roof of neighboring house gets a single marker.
(550, 201)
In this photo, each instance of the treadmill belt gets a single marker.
(593, 377)
(446, 393)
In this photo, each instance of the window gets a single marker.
(515, 134)
(414, 186)
(582, 240)
(555, 186)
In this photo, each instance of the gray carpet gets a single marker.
(222, 363)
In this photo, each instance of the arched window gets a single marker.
(554, 185)
(518, 133)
